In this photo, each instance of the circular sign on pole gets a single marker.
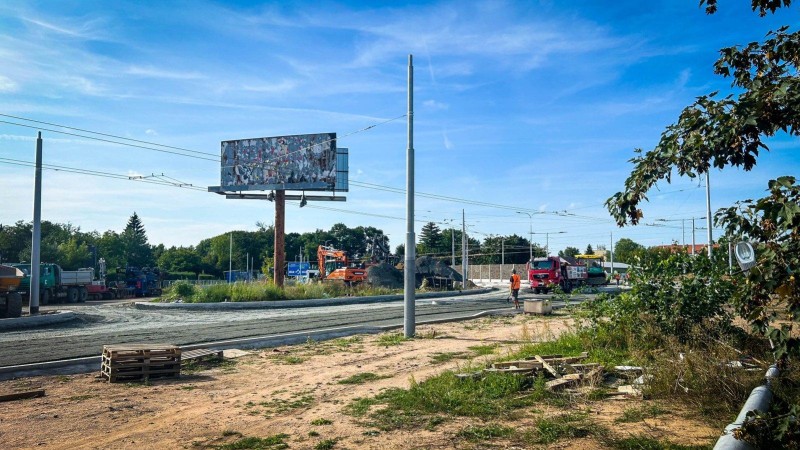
(745, 255)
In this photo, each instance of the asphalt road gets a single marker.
(120, 323)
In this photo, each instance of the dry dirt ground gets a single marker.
(296, 391)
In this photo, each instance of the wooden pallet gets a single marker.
(140, 362)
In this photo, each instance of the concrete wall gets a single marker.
(493, 271)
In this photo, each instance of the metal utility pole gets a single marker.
(530, 235)
(453, 250)
(708, 211)
(612, 253)
(693, 244)
(280, 236)
(464, 249)
(230, 259)
(409, 270)
(33, 304)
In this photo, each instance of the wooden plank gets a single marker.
(22, 395)
(520, 364)
(568, 379)
(547, 366)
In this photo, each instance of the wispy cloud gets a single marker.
(154, 72)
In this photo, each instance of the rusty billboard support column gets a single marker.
(280, 236)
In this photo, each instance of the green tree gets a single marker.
(627, 250)
(74, 254)
(730, 130)
(134, 242)
(569, 252)
(589, 250)
(180, 259)
(430, 239)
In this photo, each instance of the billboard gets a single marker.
(305, 162)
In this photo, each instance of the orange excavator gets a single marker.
(334, 266)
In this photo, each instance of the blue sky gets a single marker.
(533, 107)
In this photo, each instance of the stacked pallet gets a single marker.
(140, 362)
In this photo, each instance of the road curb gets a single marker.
(36, 320)
(312, 303)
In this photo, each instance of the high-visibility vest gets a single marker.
(514, 281)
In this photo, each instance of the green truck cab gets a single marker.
(55, 283)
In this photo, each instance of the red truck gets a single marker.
(545, 274)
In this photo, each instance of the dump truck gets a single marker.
(10, 298)
(547, 273)
(56, 284)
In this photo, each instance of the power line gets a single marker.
(107, 135)
(17, 162)
(109, 141)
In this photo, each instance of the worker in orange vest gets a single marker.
(515, 283)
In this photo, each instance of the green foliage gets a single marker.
(491, 396)
(551, 429)
(180, 289)
(326, 444)
(361, 378)
(390, 339)
(134, 242)
(321, 421)
(274, 442)
(569, 252)
(627, 251)
(772, 224)
(639, 413)
(675, 291)
(645, 442)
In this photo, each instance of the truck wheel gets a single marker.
(72, 295)
(13, 305)
(44, 297)
(83, 294)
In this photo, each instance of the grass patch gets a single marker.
(321, 422)
(275, 442)
(313, 433)
(486, 432)
(359, 407)
(439, 358)
(648, 443)
(346, 343)
(289, 359)
(387, 340)
(279, 405)
(638, 414)
(199, 365)
(483, 350)
(548, 430)
(327, 444)
(491, 396)
(361, 378)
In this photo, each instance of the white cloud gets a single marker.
(7, 84)
(151, 132)
(433, 104)
(154, 72)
